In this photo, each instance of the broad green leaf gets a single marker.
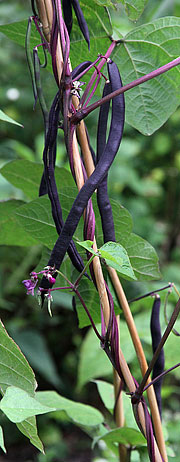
(6, 118)
(100, 30)
(79, 413)
(26, 175)
(2, 440)
(116, 256)
(125, 435)
(15, 371)
(18, 405)
(12, 232)
(37, 221)
(98, 363)
(134, 8)
(143, 50)
(14, 368)
(143, 257)
(91, 354)
(16, 31)
(33, 345)
(106, 391)
(29, 428)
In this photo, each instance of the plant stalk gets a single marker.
(82, 113)
(142, 361)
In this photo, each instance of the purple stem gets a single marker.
(160, 346)
(82, 113)
(150, 293)
(160, 376)
(93, 78)
(61, 25)
(87, 312)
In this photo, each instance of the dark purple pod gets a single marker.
(81, 20)
(93, 182)
(48, 182)
(80, 68)
(67, 10)
(102, 192)
(156, 338)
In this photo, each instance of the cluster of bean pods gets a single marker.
(107, 146)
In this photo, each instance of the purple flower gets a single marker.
(30, 285)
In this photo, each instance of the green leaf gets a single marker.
(125, 435)
(134, 8)
(18, 405)
(143, 50)
(26, 175)
(91, 354)
(33, 345)
(6, 118)
(116, 256)
(142, 256)
(79, 413)
(100, 30)
(106, 391)
(12, 232)
(2, 440)
(88, 246)
(16, 31)
(15, 371)
(36, 217)
(29, 428)
(14, 368)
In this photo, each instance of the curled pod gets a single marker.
(156, 338)
(94, 181)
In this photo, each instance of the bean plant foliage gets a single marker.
(89, 247)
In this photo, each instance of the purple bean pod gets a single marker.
(81, 20)
(101, 170)
(67, 10)
(156, 338)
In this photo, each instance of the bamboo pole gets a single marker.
(45, 13)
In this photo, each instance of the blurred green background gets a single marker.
(145, 178)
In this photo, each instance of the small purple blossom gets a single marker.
(30, 285)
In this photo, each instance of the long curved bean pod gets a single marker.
(102, 192)
(49, 156)
(156, 338)
(102, 167)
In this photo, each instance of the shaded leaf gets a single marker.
(26, 175)
(125, 435)
(34, 346)
(134, 8)
(106, 391)
(29, 428)
(16, 31)
(14, 368)
(78, 412)
(6, 118)
(91, 354)
(2, 440)
(12, 233)
(18, 405)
